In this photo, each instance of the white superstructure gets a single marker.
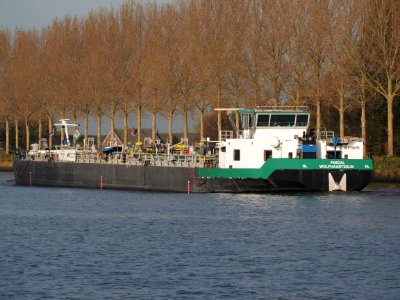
(280, 132)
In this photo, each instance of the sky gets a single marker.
(40, 13)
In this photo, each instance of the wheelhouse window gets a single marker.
(263, 120)
(282, 120)
(236, 154)
(246, 121)
(302, 120)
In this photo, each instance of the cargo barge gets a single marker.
(272, 151)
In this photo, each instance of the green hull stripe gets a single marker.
(274, 164)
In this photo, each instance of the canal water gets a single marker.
(68, 243)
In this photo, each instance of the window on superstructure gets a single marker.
(302, 120)
(267, 154)
(263, 120)
(236, 154)
(282, 120)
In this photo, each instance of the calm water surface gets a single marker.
(64, 243)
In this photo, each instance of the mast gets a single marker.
(64, 125)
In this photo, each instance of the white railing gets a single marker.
(230, 134)
(226, 134)
(137, 158)
(324, 135)
(283, 108)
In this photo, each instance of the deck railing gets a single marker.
(191, 160)
(283, 108)
(324, 134)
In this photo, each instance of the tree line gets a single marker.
(340, 57)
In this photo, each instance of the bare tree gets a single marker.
(168, 65)
(216, 27)
(5, 56)
(382, 48)
(137, 62)
(275, 45)
(25, 64)
(237, 83)
(340, 80)
(154, 54)
(95, 66)
(49, 68)
(297, 88)
(318, 31)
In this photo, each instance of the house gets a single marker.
(112, 140)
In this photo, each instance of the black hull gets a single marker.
(175, 179)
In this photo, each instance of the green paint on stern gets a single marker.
(274, 164)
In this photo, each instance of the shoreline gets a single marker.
(6, 169)
(386, 180)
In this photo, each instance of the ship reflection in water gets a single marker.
(83, 243)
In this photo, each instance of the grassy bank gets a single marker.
(387, 168)
(6, 162)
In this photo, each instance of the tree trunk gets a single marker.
(86, 137)
(62, 132)
(7, 136)
(363, 126)
(237, 123)
(50, 127)
(390, 124)
(125, 129)
(341, 114)
(255, 93)
(153, 126)
(16, 134)
(99, 132)
(75, 128)
(201, 119)
(139, 123)
(112, 125)
(363, 116)
(297, 101)
(219, 121)
(27, 132)
(277, 100)
(185, 124)
(40, 131)
(318, 116)
(170, 115)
